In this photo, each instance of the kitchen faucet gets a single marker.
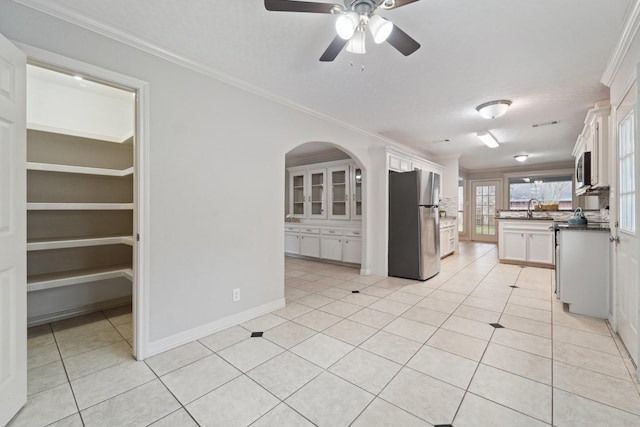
(529, 213)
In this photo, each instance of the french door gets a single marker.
(485, 198)
(626, 247)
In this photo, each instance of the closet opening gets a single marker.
(81, 211)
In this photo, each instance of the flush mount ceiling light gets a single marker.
(493, 109)
(488, 139)
(353, 18)
(521, 157)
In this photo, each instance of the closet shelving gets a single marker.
(73, 236)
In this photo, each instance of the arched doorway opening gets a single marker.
(324, 208)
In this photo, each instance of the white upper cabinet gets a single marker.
(326, 191)
(298, 197)
(356, 192)
(339, 192)
(307, 193)
(595, 139)
(317, 186)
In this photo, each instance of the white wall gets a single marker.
(450, 174)
(62, 107)
(216, 199)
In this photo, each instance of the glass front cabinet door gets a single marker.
(298, 194)
(317, 182)
(339, 192)
(356, 192)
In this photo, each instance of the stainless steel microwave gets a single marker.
(583, 172)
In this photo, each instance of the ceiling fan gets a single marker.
(353, 18)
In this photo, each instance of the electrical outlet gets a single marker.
(235, 296)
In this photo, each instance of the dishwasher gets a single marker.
(582, 269)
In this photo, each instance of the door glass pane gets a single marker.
(627, 174)
(486, 210)
(461, 208)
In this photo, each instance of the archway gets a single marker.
(324, 204)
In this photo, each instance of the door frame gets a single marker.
(141, 262)
(472, 209)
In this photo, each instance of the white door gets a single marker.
(13, 235)
(626, 255)
(485, 198)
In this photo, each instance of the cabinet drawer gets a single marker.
(332, 232)
(290, 229)
(310, 230)
(353, 233)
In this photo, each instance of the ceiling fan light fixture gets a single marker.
(357, 43)
(521, 157)
(388, 4)
(346, 24)
(493, 109)
(488, 139)
(380, 28)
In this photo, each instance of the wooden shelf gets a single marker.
(50, 167)
(45, 244)
(79, 206)
(68, 278)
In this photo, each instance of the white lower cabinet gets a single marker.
(541, 247)
(310, 241)
(447, 237)
(335, 244)
(526, 241)
(331, 248)
(513, 245)
(352, 250)
(292, 243)
(310, 245)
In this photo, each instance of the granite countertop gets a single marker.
(524, 218)
(589, 226)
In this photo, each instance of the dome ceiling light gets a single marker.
(493, 109)
(521, 157)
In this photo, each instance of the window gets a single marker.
(461, 206)
(627, 175)
(554, 192)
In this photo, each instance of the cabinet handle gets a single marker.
(521, 234)
(346, 241)
(339, 241)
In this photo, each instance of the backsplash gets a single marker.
(449, 204)
(594, 216)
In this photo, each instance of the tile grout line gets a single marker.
(73, 393)
(475, 371)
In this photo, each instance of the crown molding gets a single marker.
(78, 19)
(629, 31)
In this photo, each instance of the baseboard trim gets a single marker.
(77, 311)
(196, 333)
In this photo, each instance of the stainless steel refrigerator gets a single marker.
(414, 225)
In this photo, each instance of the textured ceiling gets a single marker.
(547, 56)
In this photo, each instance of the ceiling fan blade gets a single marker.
(402, 41)
(400, 3)
(333, 50)
(298, 6)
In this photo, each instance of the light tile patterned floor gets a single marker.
(396, 353)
